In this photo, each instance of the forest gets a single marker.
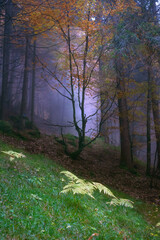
(79, 119)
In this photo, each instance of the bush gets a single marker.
(28, 127)
(16, 121)
(6, 128)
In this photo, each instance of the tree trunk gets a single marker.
(126, 156)
(25, 86)
(6, 57)
(154, 92)
(156, 118)
(148, 169)
(126, 153)
(33, 82)
(104, 128)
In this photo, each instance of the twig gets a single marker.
(94, 234)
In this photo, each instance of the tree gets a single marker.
(126, 154)
(148, 169)
(33, 81)
(148, 37)
(120, 43)
(6, 56)
(25, 85)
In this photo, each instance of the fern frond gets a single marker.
(104, 189)
(79, 187)
(70, 175)
(121, 202)
(14, 154)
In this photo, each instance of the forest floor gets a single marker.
(98, 162)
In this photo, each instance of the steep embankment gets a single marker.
(99, 162)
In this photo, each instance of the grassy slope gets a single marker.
(31, 207)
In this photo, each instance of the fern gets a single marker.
(70, 175)
(103, 189)
(77, 185)
(12, 155)
(121, 202)
(80, 186)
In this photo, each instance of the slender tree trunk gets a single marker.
(33, 82)
(25, 85)
(154, 93)
(148, 169)
(126, 155)
(6, 57)
(104, 129)
(11, 82)
(156, 118)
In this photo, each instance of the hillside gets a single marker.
(33, 208)
(98, 162)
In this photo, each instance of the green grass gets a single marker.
(31, 206)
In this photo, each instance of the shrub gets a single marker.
(16, 121)
(5, 127)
